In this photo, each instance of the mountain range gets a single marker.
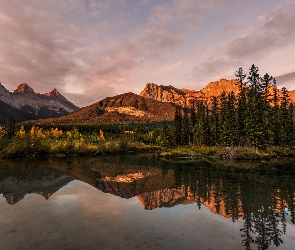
(155, 103)
(24, 98)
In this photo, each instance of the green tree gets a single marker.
(227, 119)
(185, 128)
(215, 123)
(275, 115)
(177, 126)
(241, 109)
(200, 126)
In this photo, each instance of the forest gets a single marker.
(255, 117)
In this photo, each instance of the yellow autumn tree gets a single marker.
(21, 132)
(101, 136)
(2, 132)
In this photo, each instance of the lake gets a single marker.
(141, 202)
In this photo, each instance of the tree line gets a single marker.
(259, 115)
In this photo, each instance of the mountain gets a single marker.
(11, 115)
(47, 105)
(121, 109)
(186, 98)
(45, 183)
(155, 103)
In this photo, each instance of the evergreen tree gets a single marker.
(177, 126)
(185, 129)
(241, 109)
(255, 117)
(254, 80)
(265, 84)
(275, 115)
(167, 140)
(227, 119)
(240, 76)
(215, 123)
(193, 116)
(207, 137)
(291, 125)
(199, 128)
(285, 118)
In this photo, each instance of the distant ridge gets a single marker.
(186, 98)
(47, 105)
(11, 115)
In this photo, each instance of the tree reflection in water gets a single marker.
(261, 196)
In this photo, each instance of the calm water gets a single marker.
(138, 202)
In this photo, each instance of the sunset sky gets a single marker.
(91, 49)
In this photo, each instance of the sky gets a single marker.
(92, 49)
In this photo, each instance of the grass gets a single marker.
(232, 153)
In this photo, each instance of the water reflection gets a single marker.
(262, 197)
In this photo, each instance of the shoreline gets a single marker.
(180, 153)
(226, 153)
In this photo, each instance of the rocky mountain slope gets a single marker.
(121, 109)
(11, 115)
(186, 98)
(51, 104)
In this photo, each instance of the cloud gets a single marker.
(182, 14)
(252, 45)
(35, 45)
(215, 69)
(286, 80)
(281, 19)
(162, 15)
(278, 30)
(61, 44)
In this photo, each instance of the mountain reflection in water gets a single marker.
(262, 196)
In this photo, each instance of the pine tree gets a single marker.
(291, 125)
(185, 128)
(254, 79)
(199, 128)
(240, 78)
(255, 117)
(275, 115)
(227, 119)
(193, 116)
(207, 137)
(215, 123)
(265, 84)
(284, 118)
(177, 126)
(166, 136)
(241, 109)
